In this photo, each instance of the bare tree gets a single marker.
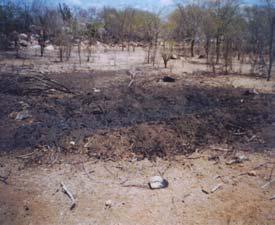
(166, 53)
(271, 19)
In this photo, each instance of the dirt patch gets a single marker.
(35, 197)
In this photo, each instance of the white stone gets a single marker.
(23, 36)
(157, 182)
(23, 115)
(35, 47)
(49, 48)
(108, 204)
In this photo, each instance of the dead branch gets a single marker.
(4, 179)
(26, 155)
(55, 85)
(143, 186)
(217, 187)
(221, 149)
(87, 172)
(260, 165)
(195, 157)
(109, 171)
(271, 173)
(161, 173)
(205, 191)
(69, 194)
(268, 183)
(130, 84)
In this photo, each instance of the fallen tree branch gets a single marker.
(4, 179)
(70, 195)
(262, 164)
(216, 188)
(130, 84)
(221, 149)
(54, 84)
(26, 155)
(271, 173)
(268, 183)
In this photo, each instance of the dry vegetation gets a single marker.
(101, 100)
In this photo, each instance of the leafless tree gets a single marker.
(271, 19)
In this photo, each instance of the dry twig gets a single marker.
(26, 155)
(4, 179)
(69, 194)
(268, 183)
(216, 188)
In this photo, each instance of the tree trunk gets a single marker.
(218, 43)
(17, 48)
(165, 60)
(149, 53)
(271, 49)
(155, 48)
(226, 56)
(61, 54)
(42, 42)
(192, 47)
(79, 51)
(42, 47)
(207, 45)
(165, 63)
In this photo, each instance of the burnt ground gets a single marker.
(90, 132)
(149, 119)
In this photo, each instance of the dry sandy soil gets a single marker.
(34, 196)
(87, 128)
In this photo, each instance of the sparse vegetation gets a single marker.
(112, 102)
(231, 30)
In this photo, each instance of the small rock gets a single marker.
(252, 173)
(24, 105)
(23, 43)
(72, 143)
(108, 204)
(242, 158)
(173, 56)
(157, 182)
(251, 92)
(35, 47)
(23, 36)
(23, 115)
(237, 159)
(96, 90)
(213, 158)
(168, 79)
(50, 48)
